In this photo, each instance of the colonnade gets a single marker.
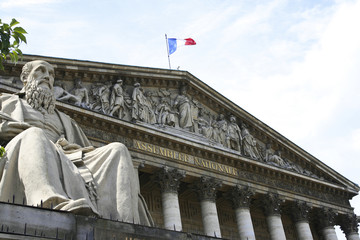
(206, 188)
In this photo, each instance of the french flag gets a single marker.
(174, 43)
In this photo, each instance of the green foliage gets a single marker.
(10, 39)
(2, 151)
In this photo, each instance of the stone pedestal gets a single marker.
(241, 198)
(206, 188)
(272, 204)
(169, 181)
(300, 214)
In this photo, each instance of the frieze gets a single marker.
(174, 108)
(185, 158)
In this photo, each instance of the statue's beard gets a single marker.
(39, 98)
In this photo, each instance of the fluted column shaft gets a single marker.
(300, 214)
(327, 222)
(241, 198)
(349, 225)
(272, 204)
(353, 236)
(303, 230)
(169, 181)
(206, 188)
(210, 218)
(329, 233)
(245, 225)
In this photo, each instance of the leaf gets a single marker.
(19, 30)
(16, 56)
(13, 22)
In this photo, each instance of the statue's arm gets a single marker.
(11, 128)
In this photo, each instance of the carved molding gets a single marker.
(241, 196)
(272, 204)
(169, 179)
(206, 188)
(349, 224)
(300, 211)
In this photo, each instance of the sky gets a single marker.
(295, 65)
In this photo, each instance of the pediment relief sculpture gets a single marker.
(174, 109)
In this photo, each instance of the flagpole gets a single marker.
(167, 47)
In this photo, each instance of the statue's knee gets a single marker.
(34, 131)
(116, 146)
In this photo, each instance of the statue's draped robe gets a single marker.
(185, 118)
(37, 170)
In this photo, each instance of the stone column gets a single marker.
(137, 165)
(272, 204)
(206, 188)
(241, 197)
(349, 225)
(169, 181)
(300, 213)
(327, 222)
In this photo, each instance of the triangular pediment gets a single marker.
(178, 104)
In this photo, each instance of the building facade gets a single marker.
(205, 165)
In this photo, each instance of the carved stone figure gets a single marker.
(182, 103)
(234, 137)
(149, 112)
(50, 160)
(117, 101)
(81, 92)
(104, 94)
(274, 158)
(62, 95)
(142, 108)
(165, 116)
(204, 126)
(223, 127)
(249, 143)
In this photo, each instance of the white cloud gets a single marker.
(24, 3)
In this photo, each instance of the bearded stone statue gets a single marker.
(50, 161)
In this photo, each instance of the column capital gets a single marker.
(327, 217)
(240, 196)
(349, 224)
(272, 204)
(169, 179)
(206, 187)
(300, 211)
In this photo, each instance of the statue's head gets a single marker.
(38, 78)
(119, 81)
(38, 72)
(78, 83)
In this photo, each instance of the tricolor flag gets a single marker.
(174, 43)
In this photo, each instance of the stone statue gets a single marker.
(50, 160)
(104, 94)
(249, 143)
(149, 112)
(61, 94)
(274, 158)
(204, 126)
(223, 127)
(165, 116)
(81, 92)
(117, 101)
(234, 138)
(182, 103)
